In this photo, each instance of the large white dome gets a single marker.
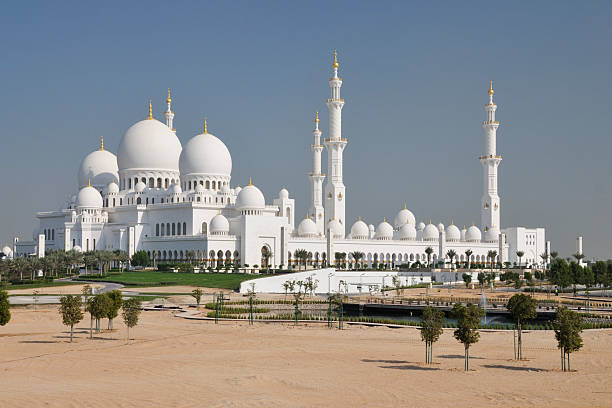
(89, 197)
(307, 228)
(335, 228)
(452, 233)
(492, 234)
(360, 230)
(473, 234)
(219, 225)
(405, 216)
(205, 154)
(250, 197)
(407, 232)
(99, 167)
(430, 233)
(384, 231)
(149, 145)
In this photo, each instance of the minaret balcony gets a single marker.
(335, 100)
(335, 140)
(490, 122)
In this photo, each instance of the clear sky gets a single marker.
(416, 76)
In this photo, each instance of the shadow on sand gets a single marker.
(516, 368)
(458, 356)
(38, 341)
(401, 365)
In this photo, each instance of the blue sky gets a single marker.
(415, 81)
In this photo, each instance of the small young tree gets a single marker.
(5, 312)
(98, 307)
(131, 311)
(141, 258)
(482, 279)
(197, 295)
(468, 320)
(568, 326)
(432, 321)
(115, 299)
(521, 307)
(70, 309)
(467, 278)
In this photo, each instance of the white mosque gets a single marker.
(168, 199)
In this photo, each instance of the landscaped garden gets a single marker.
(155, 278)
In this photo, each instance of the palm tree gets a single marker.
(468, 254)
(190, 255)
(357, 256)
(520, 255)
(578, 257)
(429, 251)
(554, 254)
(302, 255)
(492, 255)
(451, 254)
(544, 257)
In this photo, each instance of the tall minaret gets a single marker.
(490, 205)
(168, 113)
(335, 144)
(316, 180)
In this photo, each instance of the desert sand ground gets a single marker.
(175, 362)
(55, 290)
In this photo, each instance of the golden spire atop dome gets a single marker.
(405, 206)
(88, 182)
(150, 110)
(317, 117)
(250, 181)
(335, 64)
(491, 88)
(101, 142)
(168, 99)
(205, 126)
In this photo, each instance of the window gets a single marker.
(159, 182)
(138, 200)
(178, 229)
(184, 228)
(73, 242)
(121, 201)
(94, 244)
(163, 230)
(151, 182)
(207, 185)
(204, 228)
(157, 230)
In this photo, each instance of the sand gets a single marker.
(175, 362)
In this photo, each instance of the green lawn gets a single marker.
(39, 285)
(154, 278)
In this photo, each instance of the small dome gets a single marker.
(360, 230)
(205, 155)
(403, 217)
(112, 188)
(421, 226)
(149, 145)
(250, 197)
(492, 234)
(89, 197)
(440, 227)
(77, 248)
(336, 228)
(8, 252)
(283, 194)
(140, 187)
(199, 188)
(384, 231)
(99, 168)
(219, 225)
(452, 233)
(407, 232)
(307, 228)
(473, 234)
(175, 189)
(430, 233)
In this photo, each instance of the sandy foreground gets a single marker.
(175, 362)
(54, 290)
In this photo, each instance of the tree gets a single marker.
(429, 251)
(451, 255)
(467, 278)
(568, 326)
(468, 255)
(520, 256)
(5, 312)
(492, 255)
(70, 309)
(98, 307)
(197, 295)
(302, 255)
(482, 279)
(432, 321)
(468, 320)
(521, 307)
(141, 258)
(554, 254)
(131, 311)
(115, 301)
(190, 255)
(357, 256)
(544, 257)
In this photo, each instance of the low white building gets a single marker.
(530, 241)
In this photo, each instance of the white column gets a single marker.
(490, 202)
(316, 211)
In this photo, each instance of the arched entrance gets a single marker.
(265, 257)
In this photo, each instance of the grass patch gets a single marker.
(38, 285)
(154, 278)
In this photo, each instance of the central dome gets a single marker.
(149, 145)
(205, 154)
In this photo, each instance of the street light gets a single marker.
(329, 275)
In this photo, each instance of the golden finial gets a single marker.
(205, 126)
(405, 206)
(101, 142)
(335, 64)
(317, 117)
(491, 88)
(168, 99)
(150, 110)
(250, 181)
(452, 223)
(384, 219)
(463, 226)
(472, 223)
(88, 182)
(358, 218)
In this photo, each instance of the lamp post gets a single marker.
(329, 275)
